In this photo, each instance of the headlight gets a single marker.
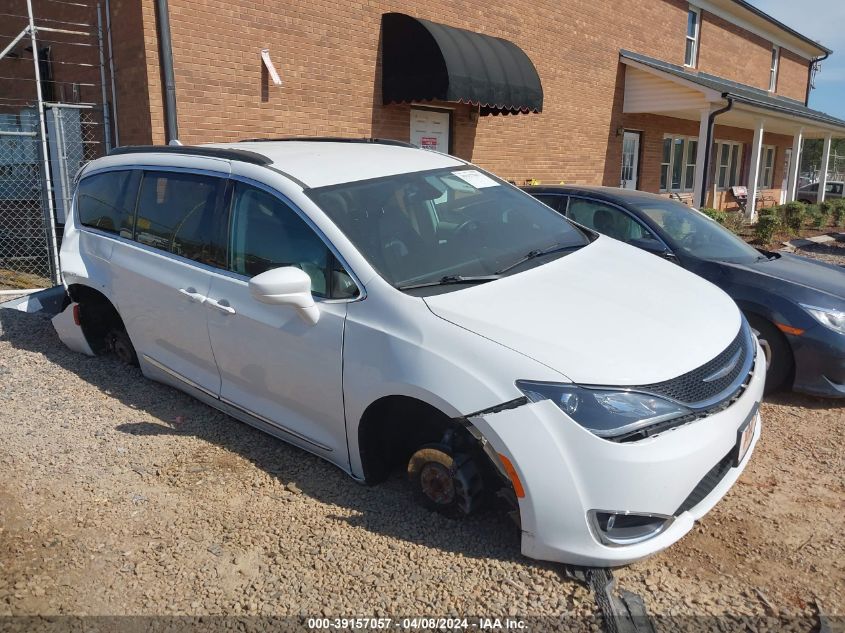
(605, 412)
(828, 317)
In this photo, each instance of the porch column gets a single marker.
(823, 168)
(700, 156)
(754, 171)
(795, 166)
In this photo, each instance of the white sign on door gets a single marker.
(430, 129)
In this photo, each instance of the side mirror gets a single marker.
(288, 286)
(655, 247)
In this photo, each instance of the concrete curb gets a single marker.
(818, 239)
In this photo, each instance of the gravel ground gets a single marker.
(122, 496)
(830, 252)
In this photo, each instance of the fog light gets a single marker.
(625, 528)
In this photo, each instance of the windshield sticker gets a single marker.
(475, 178)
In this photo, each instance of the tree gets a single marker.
(811, 157)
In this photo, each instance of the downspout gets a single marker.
(813, 62)
(166, 60)
(711, 124)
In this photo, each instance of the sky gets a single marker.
(823, 21)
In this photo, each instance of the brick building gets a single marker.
(629, 89)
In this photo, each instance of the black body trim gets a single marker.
(330, 139)
(189, 150)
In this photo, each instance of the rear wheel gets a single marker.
(445, 481)
(121, 345)
(778, 353)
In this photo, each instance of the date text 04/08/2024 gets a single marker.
(427, 623)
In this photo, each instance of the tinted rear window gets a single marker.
(106, 201)
(176, 213)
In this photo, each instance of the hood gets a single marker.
(803, 271)
(608, 314)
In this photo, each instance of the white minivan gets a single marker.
(387, 307)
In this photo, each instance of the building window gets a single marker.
(729, 160)
(767, 167)
(693, 35)
(677, 168)
(773, 73)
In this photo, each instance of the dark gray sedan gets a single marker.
(797, 305)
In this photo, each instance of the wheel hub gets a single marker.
(437, 484)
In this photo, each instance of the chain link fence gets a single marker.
(25, 256)
(54, 118)
(75, 136)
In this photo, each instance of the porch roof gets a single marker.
(712, 88)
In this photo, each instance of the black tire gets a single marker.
(781, 362)
(446, 482)
(121, 346)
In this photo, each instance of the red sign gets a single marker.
(428, 142)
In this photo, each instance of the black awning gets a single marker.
(424, 61)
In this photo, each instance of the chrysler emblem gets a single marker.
(724, 371)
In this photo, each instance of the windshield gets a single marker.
(696, 234)
(435, 225)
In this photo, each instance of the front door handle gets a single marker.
(193, 295)
(221, 305)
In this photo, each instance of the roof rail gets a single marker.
(191, 150)
(331, 139)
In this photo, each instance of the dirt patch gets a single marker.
(122, 496)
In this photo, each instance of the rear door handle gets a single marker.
(221, 305)
(193, 295)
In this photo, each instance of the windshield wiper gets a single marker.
(451, 280)
(538, 253)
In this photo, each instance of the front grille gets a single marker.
(691, 388)
(707, 483)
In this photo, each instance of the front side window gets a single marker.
(417, 228)
(106, 201)
(608, 220)
(773, 73)
(177, 213)
(677, 168)
(693, 32)
(266, 233)
(728, 164)
(767, 167)
(692, 232)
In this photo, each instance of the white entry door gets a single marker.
(787, 163)
(630, 160)
(430, 129)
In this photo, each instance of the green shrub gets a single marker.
(793, 215)
(837, 210)
(817, 215)
(766, 227)
(715, 214)
(734, 221)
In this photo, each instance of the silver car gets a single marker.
(809, 193)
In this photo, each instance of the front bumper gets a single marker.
(819, 362)
(567, 471)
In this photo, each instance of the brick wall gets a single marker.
(729, 51)
(328, 55)
(139, 117)
(792, 76)
(72, 54)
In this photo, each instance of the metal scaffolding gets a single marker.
(53, 119)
